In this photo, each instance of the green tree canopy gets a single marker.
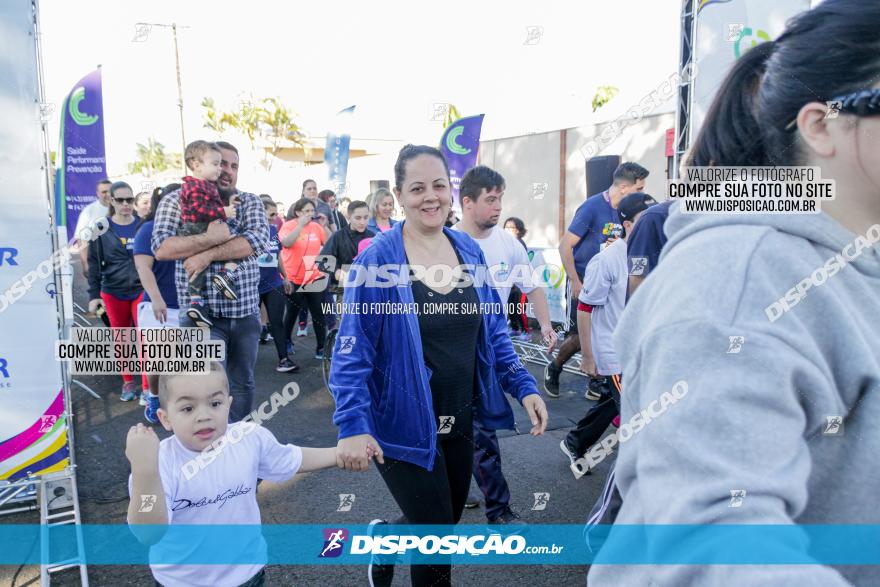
(266, 118)
(152, 159)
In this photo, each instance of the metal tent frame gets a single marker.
(684, 103)
(42, 492)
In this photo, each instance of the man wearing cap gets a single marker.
(600, 305)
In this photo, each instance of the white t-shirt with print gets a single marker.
(221, 492)
(604, 288)
(507, 261)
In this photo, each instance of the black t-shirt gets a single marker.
(449, 345)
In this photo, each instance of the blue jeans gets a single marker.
(242, 338)
(487, 471)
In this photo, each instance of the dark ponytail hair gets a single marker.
(825, 52)
(411, 152)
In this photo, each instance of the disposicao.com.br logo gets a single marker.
(431, 544)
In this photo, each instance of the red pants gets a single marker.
(123, 314)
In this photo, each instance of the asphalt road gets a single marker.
(532, 464)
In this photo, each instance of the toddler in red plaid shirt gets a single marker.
(200, 204)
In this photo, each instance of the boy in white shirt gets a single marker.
(481, 192)
(166, 489)
(600, 305)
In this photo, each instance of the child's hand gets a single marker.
(230, 211)
(142, 448)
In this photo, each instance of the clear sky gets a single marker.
(393, 59)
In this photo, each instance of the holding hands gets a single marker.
(355, 452)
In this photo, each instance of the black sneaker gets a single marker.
(508, 517)
(551, 379)
(380, 573)
(224, 284)
(285, 365)
(264, 335)
(595, 388)
(576, 467)
(567, 451)
(199, 315)
(473, 501)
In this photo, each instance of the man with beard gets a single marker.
(481, 191)
(243, 239)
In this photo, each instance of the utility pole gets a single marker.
(173, 26)
(179, 87)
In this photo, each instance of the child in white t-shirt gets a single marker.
(191, 479)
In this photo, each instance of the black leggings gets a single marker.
(515, 318)
(274, 300)
(432, 497)
(305, 299)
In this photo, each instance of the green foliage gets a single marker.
(152, 158)
(266, 118)
(452, 115)
(603, 95)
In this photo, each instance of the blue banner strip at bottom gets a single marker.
(464, 544)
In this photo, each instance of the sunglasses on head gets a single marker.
(861, 103)
(124, 200)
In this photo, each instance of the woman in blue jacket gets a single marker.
(409, 385)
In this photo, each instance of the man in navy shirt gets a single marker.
(595, 222)
(645, 244)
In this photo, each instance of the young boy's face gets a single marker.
(359, 219)
(197, 409)
(208, 167)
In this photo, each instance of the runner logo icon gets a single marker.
(541, 500)
(833, 425)
(46, 423)
(346, 344)
(346, 500)
(736, 344)
(334, 538)
(736, 498)
(446, 423)
(147, 503)
(639, 264)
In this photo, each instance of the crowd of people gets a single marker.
(422, 394)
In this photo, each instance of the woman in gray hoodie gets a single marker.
(770, 325)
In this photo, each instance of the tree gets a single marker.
(152, 158)
(603, 95)
(451, 115)
(266, 118)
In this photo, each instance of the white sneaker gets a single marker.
(300, 331)
(380, 572)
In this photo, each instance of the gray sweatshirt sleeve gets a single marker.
(732, 450)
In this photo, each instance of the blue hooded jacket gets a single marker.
(378, 376)
(373, 227)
